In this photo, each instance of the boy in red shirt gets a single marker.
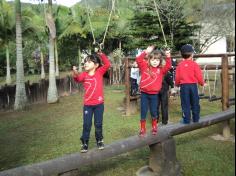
(188, 76)
(92, 79)
(152, 73)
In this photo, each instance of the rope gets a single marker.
(204, 78)
(90, 23)
(208, 82)
(108, 23)
(158, 15)
(216, 76)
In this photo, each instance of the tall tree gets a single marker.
(20, 97)
(7, 30)
(52, 96)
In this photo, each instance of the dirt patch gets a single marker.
(219, 137)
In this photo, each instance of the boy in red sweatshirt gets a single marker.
(188, 76)
(92, 79)
(152, 73)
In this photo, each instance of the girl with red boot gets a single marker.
(152, 73)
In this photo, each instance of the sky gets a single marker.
(67, 3)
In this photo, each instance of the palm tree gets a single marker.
(52, 89)
(73, 23)
(20, 97)
(7, 27)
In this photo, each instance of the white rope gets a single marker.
(90, 23)
(216, 76)
(158, 15)
(108, 23)
(204, 78)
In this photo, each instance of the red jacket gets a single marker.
(151, 83)
(188, 72)
(93, 85)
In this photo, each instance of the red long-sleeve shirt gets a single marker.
(93, 85)
(188, 72)
(151, 83)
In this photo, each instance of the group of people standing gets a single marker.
(156, 78)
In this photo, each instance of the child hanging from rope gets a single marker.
(188, 75)
(152, 74)
(92, 79)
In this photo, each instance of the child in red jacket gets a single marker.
(152, 73)
(92, 79)
(188, 75)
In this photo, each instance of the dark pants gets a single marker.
(88, 112)
(134, 87)
(190, 102)
(163, 102)
(149, 101)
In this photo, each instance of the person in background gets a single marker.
(188, 76)
(134, 79)
(163, 97)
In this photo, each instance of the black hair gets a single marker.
(93, 58)
(186, 55)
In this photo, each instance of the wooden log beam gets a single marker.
(77, 160)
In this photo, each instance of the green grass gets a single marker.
(48, 131)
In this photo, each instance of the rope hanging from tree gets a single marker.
(206, 78)
(159, 19)
(107, 26)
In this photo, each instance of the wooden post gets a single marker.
(225, 94)
(127, 87)
(163, 159)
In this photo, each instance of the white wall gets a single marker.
(218, 47)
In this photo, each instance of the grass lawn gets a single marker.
(48, 131)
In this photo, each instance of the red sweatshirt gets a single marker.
(188, 72)
(151, 84)
(93, 85)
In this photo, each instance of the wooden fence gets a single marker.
(37, 92)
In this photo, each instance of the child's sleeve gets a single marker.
(142, 64)
(198, 74)
(80, 77)
(177, 76)
(167, 66)
(106, 63)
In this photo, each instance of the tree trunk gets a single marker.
(42, 64)
(20, 97)
(79, 60)
(56, 57)
(52, 96)
(8, 77)
(52, 89)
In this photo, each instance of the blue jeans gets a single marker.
(190, 102)
(88, 112)
(149, 101)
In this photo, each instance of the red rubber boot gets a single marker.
(154, 126)
(142, 128)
